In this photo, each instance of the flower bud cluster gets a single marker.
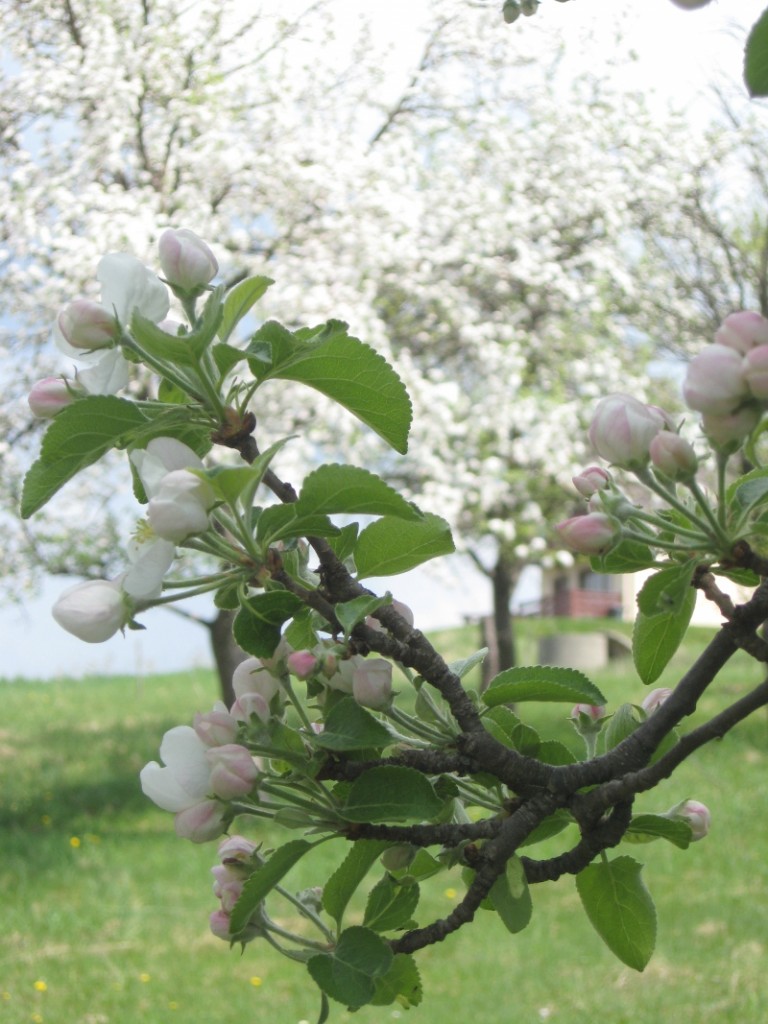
(368, 680)
(727, 382)
(238, 856)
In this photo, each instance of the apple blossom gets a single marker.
(251, 676)
(696, 814)
(589, 534)
(49, 396)
(591, 480)
(248, 705)
(302, 664)
(673, 456)
(756, 372)
(655, 699)
(714, 382)
(219, 924)
(128, 287)
(162, 456)
(372, 683)
(743, 331)
(185, 780)
(92, 611)
(187, 261)
(397, 606)
(87, 326)
(236, 850)
(724, 431)
(180, 506)
(216, 727)
(594, 712)
(622, 428)
(150, 559)
(202, 822)
(233, 771)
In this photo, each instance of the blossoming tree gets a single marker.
(347, 725)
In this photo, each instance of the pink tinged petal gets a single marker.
(219, 924)
(186, 259)
(202, 822)
(49, 396)
(236, 850)
(372, 684)
(714, 382)
(756, 372)
(622, 429)
(128, 286)
(673, 456)
(216, 727)
(732, 429)
(591, 480)
(248, 705)
(84, 326)
(590, 534)
(743, 331)
(593, 711)
(233, 771)
(302, 664)
(655, 699)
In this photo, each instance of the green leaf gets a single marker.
(170, 348)
(391, 793)
(352, 491)
(507, 728)
(390, 906)
(620, 909)
(79, 436)
(401, 983)
(510, 897)
(341, 367)
(258, 624)
(264, 879)
(621, 724)
(551, 826)
(647, 827)
(556, 753)
(349, 972)
(343, 543)
(542, 683)
(343, 883)
(463, 666)
(391, 546)
(655, 638)
(299, 633)
(666, 590)
(280, 522)
(239, 301)
(225, 357)
(350, 613)
(756, 58)
(627, 556)
(350, 727)
(750, 489)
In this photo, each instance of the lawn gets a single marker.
(105, 910)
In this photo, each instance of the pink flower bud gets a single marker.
(92, 611)
(743, 331)
(201, 822)
(593, 711)
(756, 371)
(219, 923)
(724, 431)
(227, 887)
(233, 771)
(696, 814)
(248, 705)
(372, 683)
(187, 261)
(181, 505)
(236, 850)
(655, 699)
(673, 456)
(302, 664)
(715, 383)
(87, 325)
(49, 396)
(622, 429)
(590, 534)
(216, 727)
(397, 606)
(591, 480)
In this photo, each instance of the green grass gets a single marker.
(107, 908)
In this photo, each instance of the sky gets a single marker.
(679, 54)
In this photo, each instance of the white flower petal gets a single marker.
(184, 753)
(162, 787)
(127, 286)
(107, 376)
(150, 560)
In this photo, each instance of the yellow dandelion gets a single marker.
(173, 1005)
(74, 842)
(37, 1018)
(40, 986)
(144, 977)
(450, 894)
(255, 981)
(5, 996)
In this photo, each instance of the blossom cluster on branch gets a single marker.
(348, 727)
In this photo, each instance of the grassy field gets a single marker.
(104, 913)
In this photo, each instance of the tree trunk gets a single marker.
(226, 653)
(503, 580)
